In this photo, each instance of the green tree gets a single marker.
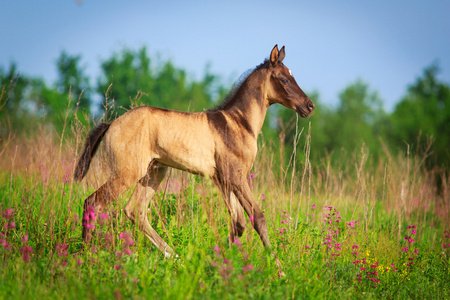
(13, 89)
(424, 112)
(13, 109)
(130, 74)
(358, 119)
(72, 81)
(124, 75)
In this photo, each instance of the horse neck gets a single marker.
(249, 106)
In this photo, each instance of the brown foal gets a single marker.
(219, 143)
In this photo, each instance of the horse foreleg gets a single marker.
(137, 207)
(245, 196)
(237, 217)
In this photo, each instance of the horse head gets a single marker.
(283, 88)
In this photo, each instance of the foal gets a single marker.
(219, 143)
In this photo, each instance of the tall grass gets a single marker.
(340, 229)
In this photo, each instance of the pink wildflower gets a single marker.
(62, 249)
(8, 213)
(126, 250)
(237, 242)
(26, 253)
(247, 268)
(263, 197)
(127, 238)
(89, 217)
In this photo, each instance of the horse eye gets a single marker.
(284, 81)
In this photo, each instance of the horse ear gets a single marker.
(274, 55)
(281, 54)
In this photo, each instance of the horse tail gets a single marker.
(89, 149)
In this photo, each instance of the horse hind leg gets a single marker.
(137, 207)
(98, 201)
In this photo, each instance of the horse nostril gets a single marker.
(310, 106)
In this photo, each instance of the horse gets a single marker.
(220, 143)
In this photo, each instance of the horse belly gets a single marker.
(193, 153)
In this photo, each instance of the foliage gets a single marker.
(423, 113)
(130, 76)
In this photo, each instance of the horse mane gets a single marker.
(237, 85)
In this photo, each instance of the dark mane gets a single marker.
(237, 85)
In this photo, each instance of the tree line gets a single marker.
(129, 77)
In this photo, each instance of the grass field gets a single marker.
(348, 230)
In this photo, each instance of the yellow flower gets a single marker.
(367, 253)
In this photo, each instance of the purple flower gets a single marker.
(237, 242)
(8, 213)
(127, 240)
(62, 249)
(263, 197)
(247, 268)
(25, 238)
(126, 250)
(26, 253)
(89, 217)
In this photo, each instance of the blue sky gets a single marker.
(329, 44)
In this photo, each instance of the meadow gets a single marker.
(349, 229)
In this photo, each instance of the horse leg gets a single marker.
(245, 196)
(137, 207)
(234, 209)
(99, 200)
(237, 217)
